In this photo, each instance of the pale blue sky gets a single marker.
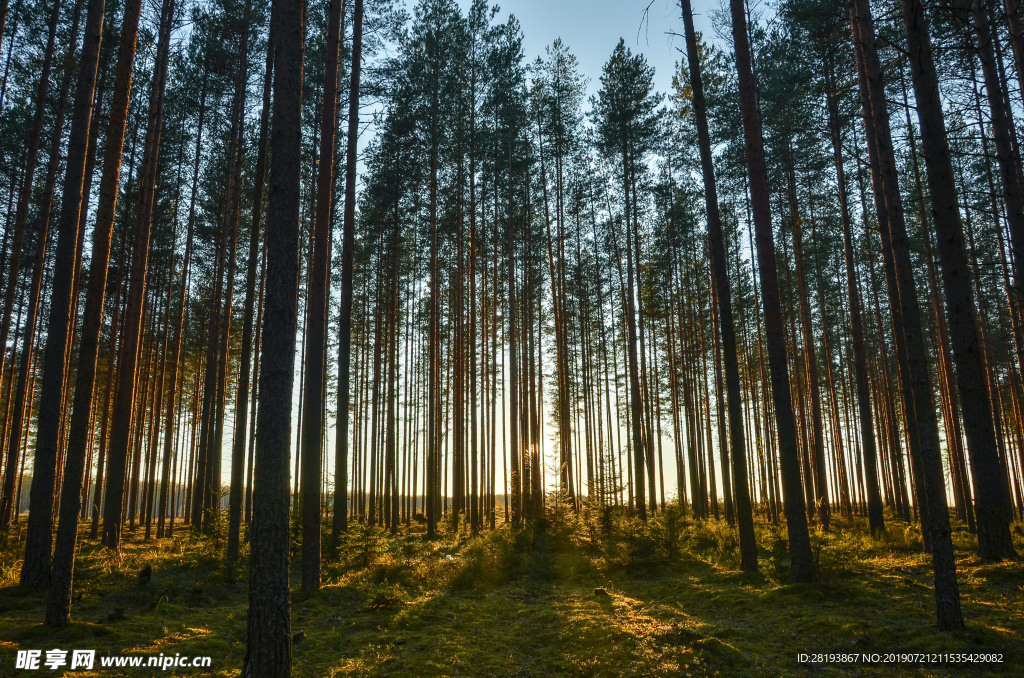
(592, 28)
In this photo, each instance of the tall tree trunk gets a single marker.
(992, 506)
(811, 380)
(340, 523)
(13, 266)
(134, 309)
(1012, 8)
(802, 569)
(268, 636)
(513, 392)
(200, 501)
(245, 360)
(18, 392)
(257, 339)
(635, 398)
(876, 520)
(36, 568)
(179, 322)
(112, 344)
(474, 517)
(1006, 152)
(915, 373)
(316, 325)
(232, 199)
(58, 611)
(720, 275)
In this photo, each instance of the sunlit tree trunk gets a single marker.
(876, 520)
(816, 443)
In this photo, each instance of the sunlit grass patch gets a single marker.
(592, 594)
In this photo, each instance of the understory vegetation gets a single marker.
(595, 593)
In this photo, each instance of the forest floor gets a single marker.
(606, 597)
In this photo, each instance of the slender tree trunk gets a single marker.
(992, 506)
(36, 568)
(316, 325)
(347, 257)
(876, 521)
(268, 623)
(112, 344)
(916, 375)
(635, 398)
(257, 339)
(817, 442)
(720, 275)
(1006, 153)
(245, 360)
(232, 198)
(134, 309)
(802, 568)
(18, 392)
(200, 502)
(13, 266)
(473, 245)
(58, 612)
(513, 392)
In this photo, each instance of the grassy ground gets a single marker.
(525, 604)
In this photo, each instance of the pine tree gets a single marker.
(720, 279)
